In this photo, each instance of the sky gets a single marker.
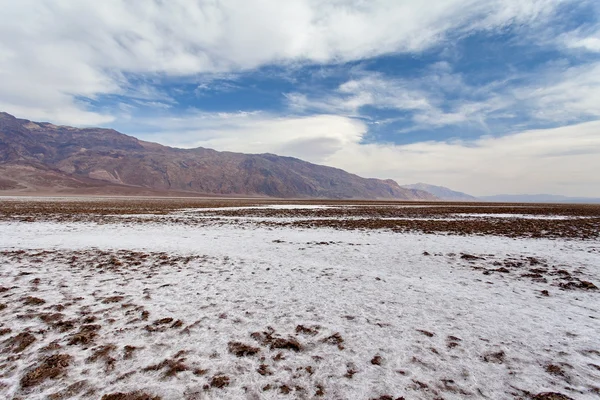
(482, 96)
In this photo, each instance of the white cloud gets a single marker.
(561, 160)
(425, 97)
(582, 40)
(370, 89)
(51, 52)
(310, 138)
(557, 93)
(564, 94)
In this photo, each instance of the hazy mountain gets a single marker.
(538, 198)
(44, 157)
(441, 192)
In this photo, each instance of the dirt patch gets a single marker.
(577, 284)
(268, 338)
(307, 330)
(85, 336)
(50, 368)
(350, 371)
(335, 339)
(219, 381)
(554, 369)
(543, 273)
(33, 301)
(161, 325)
(20, 342)
(285, 389)
(372, 216)
(71, 391)
(287, 344)
(51, 318)
(177, 324)
(264, 370)
(264, 337)
(452, 342)
(200, 371)
(102, 353)
(171, 366)
(495, 358)
(130, 396)
(241, 349)
(113, 299)
(128, 351)
(470, 257)
(320, 391)
(89, 319)
(551, 396)
(65, 326)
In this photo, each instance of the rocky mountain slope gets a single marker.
(44, 157)
(441, 192)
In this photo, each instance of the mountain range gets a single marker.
(42, 158)
(538, 198)
(441, 192)
(39, 157)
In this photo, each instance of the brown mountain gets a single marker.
(42, 157)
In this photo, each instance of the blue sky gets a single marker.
(487, 96)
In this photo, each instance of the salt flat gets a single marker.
(225, 309)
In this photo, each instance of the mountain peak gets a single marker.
(5, 115)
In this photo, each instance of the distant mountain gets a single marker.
(45, 158)
(538, 198)
(441, 192)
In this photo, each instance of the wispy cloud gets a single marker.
(309, 137)
(556, 94)
(52, 52)
(563, 94)
(437, 98)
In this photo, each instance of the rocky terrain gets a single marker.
(45, 158)
(164, 299)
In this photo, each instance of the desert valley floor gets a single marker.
(255, 299)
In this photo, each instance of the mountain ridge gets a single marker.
(441, 192)
(538, 198)
(38, 156)
(444, 193)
